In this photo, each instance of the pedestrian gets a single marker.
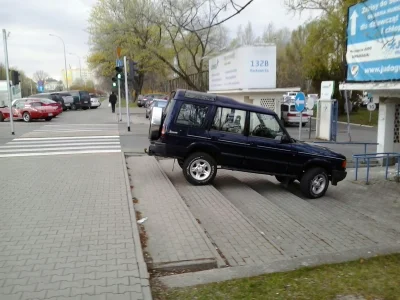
(113, 100)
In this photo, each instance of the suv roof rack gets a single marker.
(200, 95)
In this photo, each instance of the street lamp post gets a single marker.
(65, 59)
(80, 66)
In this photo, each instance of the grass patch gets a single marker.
(361, 117)
(375, 278)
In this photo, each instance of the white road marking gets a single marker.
(58, 141)
(67, 138)
(60, 148)
(58, 153)
(57, 145)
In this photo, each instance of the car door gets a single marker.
(227, 132)
(189, 125)
(267, 152)
(18, 108)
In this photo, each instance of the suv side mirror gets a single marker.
(285, 139)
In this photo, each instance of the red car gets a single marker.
(32, 109)
(58, 106)
(4, 113)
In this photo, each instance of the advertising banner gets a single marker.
(373, 41)
(248, 67)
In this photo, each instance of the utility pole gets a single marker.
(8, 80)
(119, 99)
(127, 95)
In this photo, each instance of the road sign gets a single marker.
(373, 41)
(300, 101)
(119, 63)
(371, 106)
(310, 103)
(119, 52)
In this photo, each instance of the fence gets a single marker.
(200, 80)
(369, 156)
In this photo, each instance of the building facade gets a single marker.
(76, 75)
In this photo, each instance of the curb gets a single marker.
(354, 124)
(218, 275)
(144, 274)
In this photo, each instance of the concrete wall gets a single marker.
(271, 100)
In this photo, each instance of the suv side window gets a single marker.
(229, 120)
(192, 115)
(265, 126)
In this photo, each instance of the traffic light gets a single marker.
(114, 79)
(15, 77)
(119, 71)
(133, 69)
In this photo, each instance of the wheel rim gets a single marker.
(26, 117)
(318, 184)
(200, 169)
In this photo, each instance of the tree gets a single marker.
(40, 75)
(181, 32)
(326, 41)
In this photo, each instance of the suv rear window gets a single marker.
(192, 115)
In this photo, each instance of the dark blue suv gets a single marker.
(205, 132)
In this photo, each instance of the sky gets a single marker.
(31, 48)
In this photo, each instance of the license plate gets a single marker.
(50, 115)
(85, 102)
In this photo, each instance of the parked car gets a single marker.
(155, 103)
(55, 96)
(145, 100)
(94, 101)
(204, 131)
(29, 109)
(4, 113)
(290, 116)
(57, 106)
(81, 100)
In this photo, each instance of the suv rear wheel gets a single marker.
(314, 183)
(199, 168)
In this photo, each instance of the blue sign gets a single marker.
(300, 101)
(373, 41)
(119, 63)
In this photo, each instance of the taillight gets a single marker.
(163, 130)
(291, 115)
(344, 163)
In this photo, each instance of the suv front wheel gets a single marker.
(314, 183)
(199, 168)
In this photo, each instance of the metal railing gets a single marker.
(369, 156)
(350, 143)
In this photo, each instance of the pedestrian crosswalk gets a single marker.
(45, 146)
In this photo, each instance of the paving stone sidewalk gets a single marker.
(66, 230)
(240, 241)
(175, 239)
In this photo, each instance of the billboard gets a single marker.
(248, 67)
(373, 41)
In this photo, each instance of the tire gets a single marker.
(84, 108)
(199, 159)
(307, 183)
(282, 179)
(147, 116)
(94, 107)
(26, 117)
(303, 124)
(73, 106)
(48, 118)
(1, 117)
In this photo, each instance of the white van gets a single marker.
(290, 116)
